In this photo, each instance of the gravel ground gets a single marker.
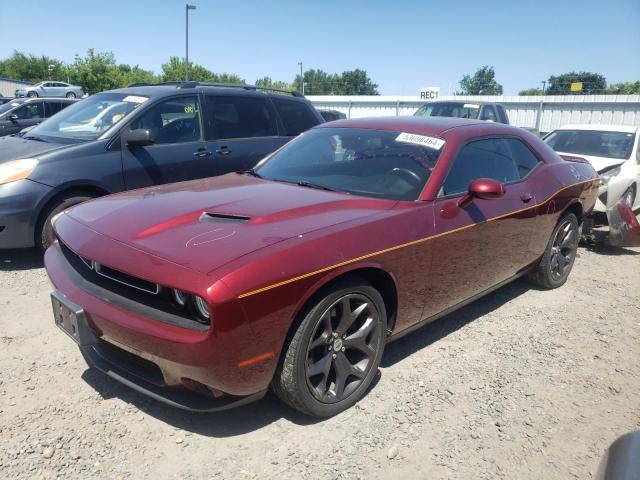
(521, 384)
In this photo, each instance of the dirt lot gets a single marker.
(521, 384)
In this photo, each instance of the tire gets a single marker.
(312, 376)
(555, 265)
(32, 94)
(44, 232)
(70, 95)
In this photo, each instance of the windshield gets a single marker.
(89, 118)
(372, 163)
(8, 106)
(592, 142)
(449, 109)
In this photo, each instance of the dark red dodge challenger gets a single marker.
(296, 274)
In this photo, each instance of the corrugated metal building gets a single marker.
(8, 86)
(544, 113)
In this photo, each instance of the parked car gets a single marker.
(297, 273)
(331, 115)
(4, 100)
(493, 112)
(614, 151)
(136, 137)
(50, 89)
(21, 113)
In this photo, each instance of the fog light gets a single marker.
(179, 297)
(202, 309)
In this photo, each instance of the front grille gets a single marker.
(135, 365)
(133, 293)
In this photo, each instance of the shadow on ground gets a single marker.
(270, 409)
(610, 251)
(20, 259)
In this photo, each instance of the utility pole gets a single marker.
(301, 79)
(544, 85)
(186, 57)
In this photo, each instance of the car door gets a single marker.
(178, 151)
(47, 90)
(241, 131)
(485, 242)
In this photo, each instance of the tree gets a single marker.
(31, 68)
(135, 74)
(481, 83)
(531, 91)
(357, 82)
(624, 88)
(592, 83)
(95, 72)
(173, 70)
(268, 82)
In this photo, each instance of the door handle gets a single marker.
(526, 197)
(202, 153)
(223, 151)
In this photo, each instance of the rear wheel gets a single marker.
(335, 352)
(555, 265)
(44, 231)
(71, 95)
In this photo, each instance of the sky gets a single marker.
(402, 44)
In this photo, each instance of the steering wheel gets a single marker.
(410, 176)
(177, 128)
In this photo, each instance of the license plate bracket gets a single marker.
(71, 319)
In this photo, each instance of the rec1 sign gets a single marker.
(429, 93)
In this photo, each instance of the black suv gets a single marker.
(136, 137)
(493, 112)
(21, 113)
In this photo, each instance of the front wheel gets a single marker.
(334, 354)
(555, 265)
(44, 231)
(32, 94)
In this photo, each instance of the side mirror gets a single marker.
(140, 137)
(14, 118)
(484, 188)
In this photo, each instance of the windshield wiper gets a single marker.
(304, 183)
(37, 139)
(252, 172)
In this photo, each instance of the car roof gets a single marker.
(470, 102)
(605, 128)
(417, 125)
(163, 90)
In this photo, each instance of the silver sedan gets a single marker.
(50, 89)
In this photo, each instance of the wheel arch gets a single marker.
(575, 208)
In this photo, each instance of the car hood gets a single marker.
(206, 223)
(598, 163)
(13, 148)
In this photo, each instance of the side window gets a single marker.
(522, 155)
(489, 113)
(31, 111)
(240, 117)
(176, 120)
(488, 158)
(296, 116)
(51, 108)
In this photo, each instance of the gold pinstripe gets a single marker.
(404, 245)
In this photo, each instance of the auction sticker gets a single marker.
(431, 142)
(471, 105)
(134, 99)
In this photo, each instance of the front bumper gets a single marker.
(198, 370)
(19, 205)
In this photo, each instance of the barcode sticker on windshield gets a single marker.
(431, 142)
(471, 105)
(134, 99)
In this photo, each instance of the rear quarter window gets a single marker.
(296, 117)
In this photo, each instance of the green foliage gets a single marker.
(30, 68)
(353, 82)
(95, 72)
(482, 82)
(268, 82)
(592, 83)
(624, 88)
(174, 70)
(531, 91)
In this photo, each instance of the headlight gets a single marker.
(608, 175)
(202, 309)
(16, 170)
(179, 297)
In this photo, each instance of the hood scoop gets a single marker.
(222, 218)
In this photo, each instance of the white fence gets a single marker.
(542, 113)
